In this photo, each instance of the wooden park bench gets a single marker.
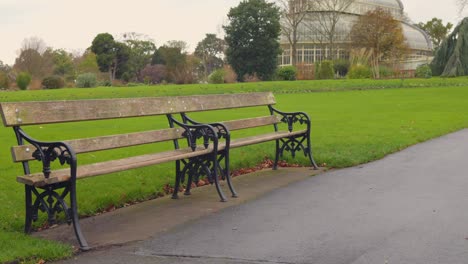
(199, 149)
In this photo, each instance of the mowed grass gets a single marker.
(349, 128)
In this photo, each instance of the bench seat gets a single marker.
(95, 169)
(236, 143)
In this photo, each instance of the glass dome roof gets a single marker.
(384, 3)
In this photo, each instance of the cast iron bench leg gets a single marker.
(29, 209)
(76, 224)
(227, 175)
(309, 153)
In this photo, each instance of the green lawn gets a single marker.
(349, 128)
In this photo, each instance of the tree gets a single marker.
(87, 63)
(34, 43)
(172, 57)
(436, 30)
(252, 38)
(111, 55)
(180, 44)
(141, 49)
(122, 56)
(4, 67)
(63, 63)
(451, 59)
(104, 47)
(462, 5)
(325, 21)
(293, 13)
(379, 32)
(210, 51)
(153, 74)
(34, 58)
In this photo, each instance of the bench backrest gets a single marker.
(15, 114)
(33, 113)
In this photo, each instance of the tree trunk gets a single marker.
(294, 48)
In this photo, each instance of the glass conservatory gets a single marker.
(312, 47)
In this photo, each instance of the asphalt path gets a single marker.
(410, 207)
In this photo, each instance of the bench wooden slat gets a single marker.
(85, 171)
(24, 153)
(29, 113)
(252, 122)
(260, 139)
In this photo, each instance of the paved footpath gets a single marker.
(408, 208)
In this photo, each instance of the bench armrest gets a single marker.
(48, 152)
(222, 130)
(196, 131)
(290, 118)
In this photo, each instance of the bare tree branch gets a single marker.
(293, 13)
(461, 5)
(327, 14)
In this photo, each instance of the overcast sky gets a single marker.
(72, 25)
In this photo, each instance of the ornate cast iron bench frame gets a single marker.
(289, 140)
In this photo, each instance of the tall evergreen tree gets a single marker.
(252, 38)
(451, 59)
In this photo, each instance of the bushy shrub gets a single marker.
(126, 76)
(230, 75)
(4, 81)
(23, 80)
(251, 78)
(359, 72)
(341, 67)
(153, 74)
(423, 71)
(287, 73)
(53, 82)
(325, 70)
(316, 70)
(86, 80)
(216, 77)
(385, 72)
(105, 83)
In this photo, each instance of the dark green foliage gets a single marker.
(86, 80)
(141, 53)
(287, 73)
(122, 56)
(53, 82)
(63, 64)
(4, 82)
(111, 56)
(385, 72)
(423, 71)
(359, 72)
(341, 67)
(105, 83)
(451, 58)
(252, 38)
(158, 58)
(217, 76)
(172, 58)
(22, 80)
(104, 47)
(325, 70)
(126, 76)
